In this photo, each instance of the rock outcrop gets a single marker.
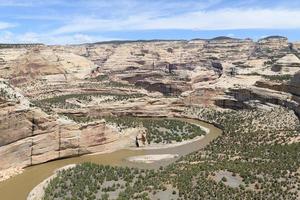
(286, 62)
(294, 85)
(44, 89)
(28, 136)
(254, 97)
(36, 138)
(225, 48)
(273, 47)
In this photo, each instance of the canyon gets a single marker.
(54, 99)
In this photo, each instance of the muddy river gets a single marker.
(18, 187)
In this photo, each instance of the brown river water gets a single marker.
(18, 187)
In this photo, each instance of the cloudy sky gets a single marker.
(80, 21)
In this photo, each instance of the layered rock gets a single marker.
(284, 63)
(28, 136)
(272, 47)
(44, 63)
(43, 138)
(225, 48)
(254, 97)
(167, 75)
(294, 85)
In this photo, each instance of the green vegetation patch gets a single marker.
(160, 130)
(282, 77)
(256, 146)
(115, 84)
(91, 181)
(61, 101)
(102, 77)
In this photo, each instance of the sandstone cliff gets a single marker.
(29, 136)
(45, 88)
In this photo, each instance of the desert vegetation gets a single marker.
(256, 157)
(160, 130)
(279, 78)
(73, 101)
(283, 77)
(258, 146)
(91, 181)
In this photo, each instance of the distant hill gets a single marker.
(2, 46)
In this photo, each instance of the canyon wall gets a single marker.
(29, 137)
(168, 76)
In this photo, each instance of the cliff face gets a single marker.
(226, 49)
(157, 78)
(294, 85)
(264, 93)
(272, 47)
(161, 66)
(28, 136)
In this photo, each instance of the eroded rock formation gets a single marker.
(53, 98)
(29, 136)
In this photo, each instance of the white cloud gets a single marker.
(227, 19)
(6, 37)
(9, 3)
(223, 19)
(6, 25)
(230, 35)
(31, 37)
(74, 39)
(10, 37)
(32, 3)
(83, 38)
(76, 26)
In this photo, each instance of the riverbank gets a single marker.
(36, 174)
(38, 191)
(152, 158)
(8, 173)
(126, 140)
(128, 137)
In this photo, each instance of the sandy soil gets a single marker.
(8, 173)
(151, 158)
(165, 146)
(231, 181)
(38, 192)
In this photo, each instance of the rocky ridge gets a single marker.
(155, 78)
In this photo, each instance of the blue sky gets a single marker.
(80, 21)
